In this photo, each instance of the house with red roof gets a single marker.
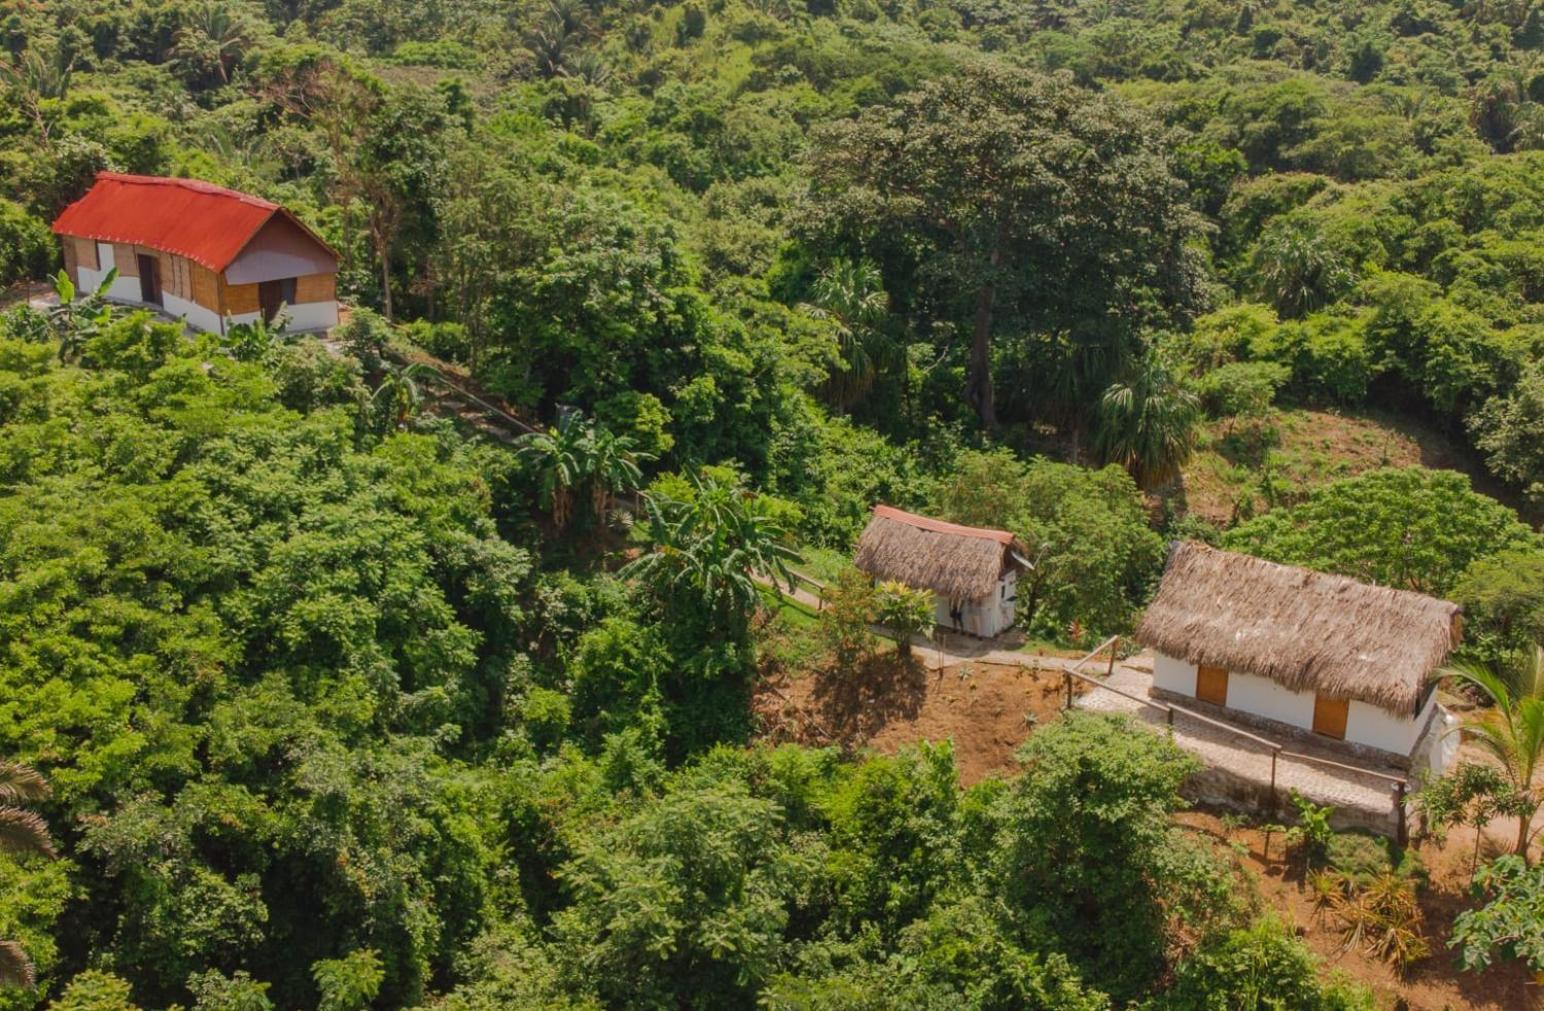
(212, 256)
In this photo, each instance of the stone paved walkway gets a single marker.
(1360, 799)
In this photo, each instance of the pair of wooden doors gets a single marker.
(1329, 715)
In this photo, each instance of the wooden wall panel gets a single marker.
(205, 286)
(86, 254)
(316, 288)
(71, 261)
(239, 298)
(125, 258)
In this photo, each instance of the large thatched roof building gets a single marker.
(1314, 651)
(973, 571)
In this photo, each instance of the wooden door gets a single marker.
(1212, 685)
(1329, 716)
(272, 295)
(149, 279)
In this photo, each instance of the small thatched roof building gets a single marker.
(1305, 630)
(957, 562)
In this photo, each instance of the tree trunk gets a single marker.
(979, 386)
(1524, 822)
(385, 251)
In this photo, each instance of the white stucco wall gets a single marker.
(1365, 724)
(1264, 697)
(1380, 728)
(1174, 675)
(312, 315)
(194, 314)
(986, 617)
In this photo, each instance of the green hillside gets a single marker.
(344, 701)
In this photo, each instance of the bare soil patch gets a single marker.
(1434, 984)
(986, 709)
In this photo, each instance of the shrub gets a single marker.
(1241, 389)
(26, 245)
(844, 624)
(904, 611)
(1259, 968)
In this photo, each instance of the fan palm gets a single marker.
(1147, 423)
(21, 831)
(213, 36)
(850, 294)
(1512, 730)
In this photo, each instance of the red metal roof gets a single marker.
(208, 224)
(940, 527)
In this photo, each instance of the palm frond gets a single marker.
(23, 831)
(20, 783)
(16, 969)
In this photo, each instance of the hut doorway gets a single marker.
(1212, 685)
(1329, 716)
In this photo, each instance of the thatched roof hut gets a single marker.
(1308, 631)
(959, 562)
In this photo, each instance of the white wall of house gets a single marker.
(1174, 675)
(319, 316)
(312, 315)
(1365, 724)
(985, 617)
(1264, 697)
(193, 313)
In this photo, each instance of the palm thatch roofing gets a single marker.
(1307, 631)
(961, 563)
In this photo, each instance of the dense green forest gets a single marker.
(342, 705)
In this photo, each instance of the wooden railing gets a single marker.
(1277, 750)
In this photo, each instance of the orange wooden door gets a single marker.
(1212, 685)
(1329, 716)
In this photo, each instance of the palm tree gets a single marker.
(850, 294)
(1295, 269)
(1147, 423)
(400, 395)
(21, 831)
(560, 457)
(578, 456)
(706, 551)
(1512, 730)
(213, 36)
(613, 467)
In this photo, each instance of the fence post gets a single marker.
(1171, 716)
(1109, 671)
(1067, 677)
(1275, 804)
(1402, 833)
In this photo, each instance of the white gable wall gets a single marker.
(987, 616)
